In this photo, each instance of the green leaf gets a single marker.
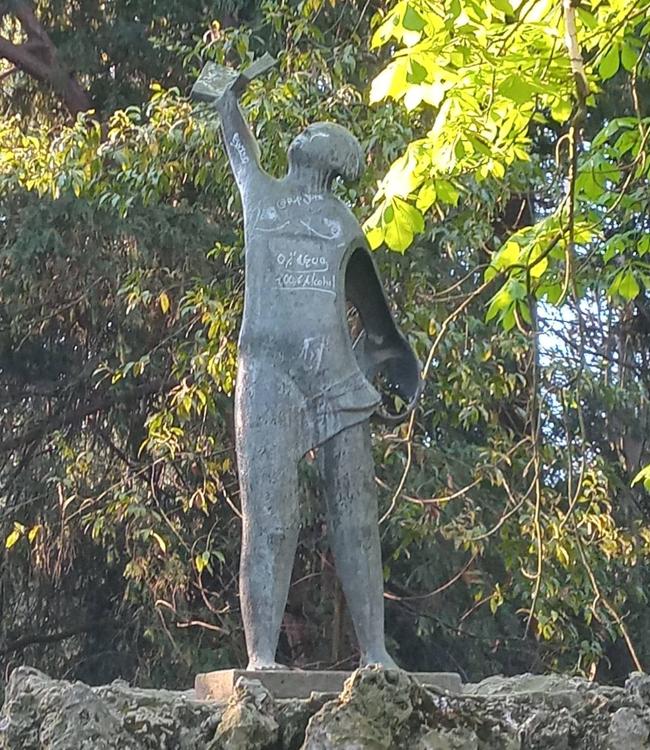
(13, 538)
(629, 57)
(433, 93)
(588, 18)
(417, 73)
(553, 293)
(398, 237)
(391, 82)
(624, 285)
(406, 222)
(507, 255)
(608, 66)
(524, 311)
(561, 109)
(562, 555)
(514, 87)
(538, 267)
(413, 97)
(613, 247)
(402, 178)
(161, 542)
(447, 192)
(509, 320)
(504, 6)
(626, 142)
(643, 476)
(33, 532)
(501, 300)
(498, 170)
(163, 301)
(413, 21)
(629, 287)
(426, 197)
(375, 236)
(517, 289)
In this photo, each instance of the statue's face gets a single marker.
(327, 148)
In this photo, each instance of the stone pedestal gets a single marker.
(294, 683)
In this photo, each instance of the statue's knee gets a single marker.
(280, 535)
(365, 533)
(257, 532)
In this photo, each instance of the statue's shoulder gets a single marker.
(259, 187)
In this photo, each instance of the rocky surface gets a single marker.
(377, 710)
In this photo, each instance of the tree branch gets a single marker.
(69, 418)
(33, 638)
(39, 58)
(20, 56)
(7, 73)
(575, 56)
(30, 23)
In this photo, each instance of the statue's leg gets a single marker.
(268, 481)
(347, 472)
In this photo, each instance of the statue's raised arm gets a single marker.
(221, 87)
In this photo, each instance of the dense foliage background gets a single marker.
(507, 191)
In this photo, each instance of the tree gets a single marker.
(122, 281)
(543, 102)
(507, 504)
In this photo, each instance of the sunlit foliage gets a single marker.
(542, 104)
(512, 536)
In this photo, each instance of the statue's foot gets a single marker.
(255, 665)
(380, 658)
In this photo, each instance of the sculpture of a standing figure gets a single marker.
(301, 383)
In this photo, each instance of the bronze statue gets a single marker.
(301, 382)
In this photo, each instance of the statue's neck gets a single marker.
(310, 180)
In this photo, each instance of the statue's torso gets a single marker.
(294, 326)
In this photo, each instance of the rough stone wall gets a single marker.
(377, 710)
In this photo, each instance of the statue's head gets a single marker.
(327, 149)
